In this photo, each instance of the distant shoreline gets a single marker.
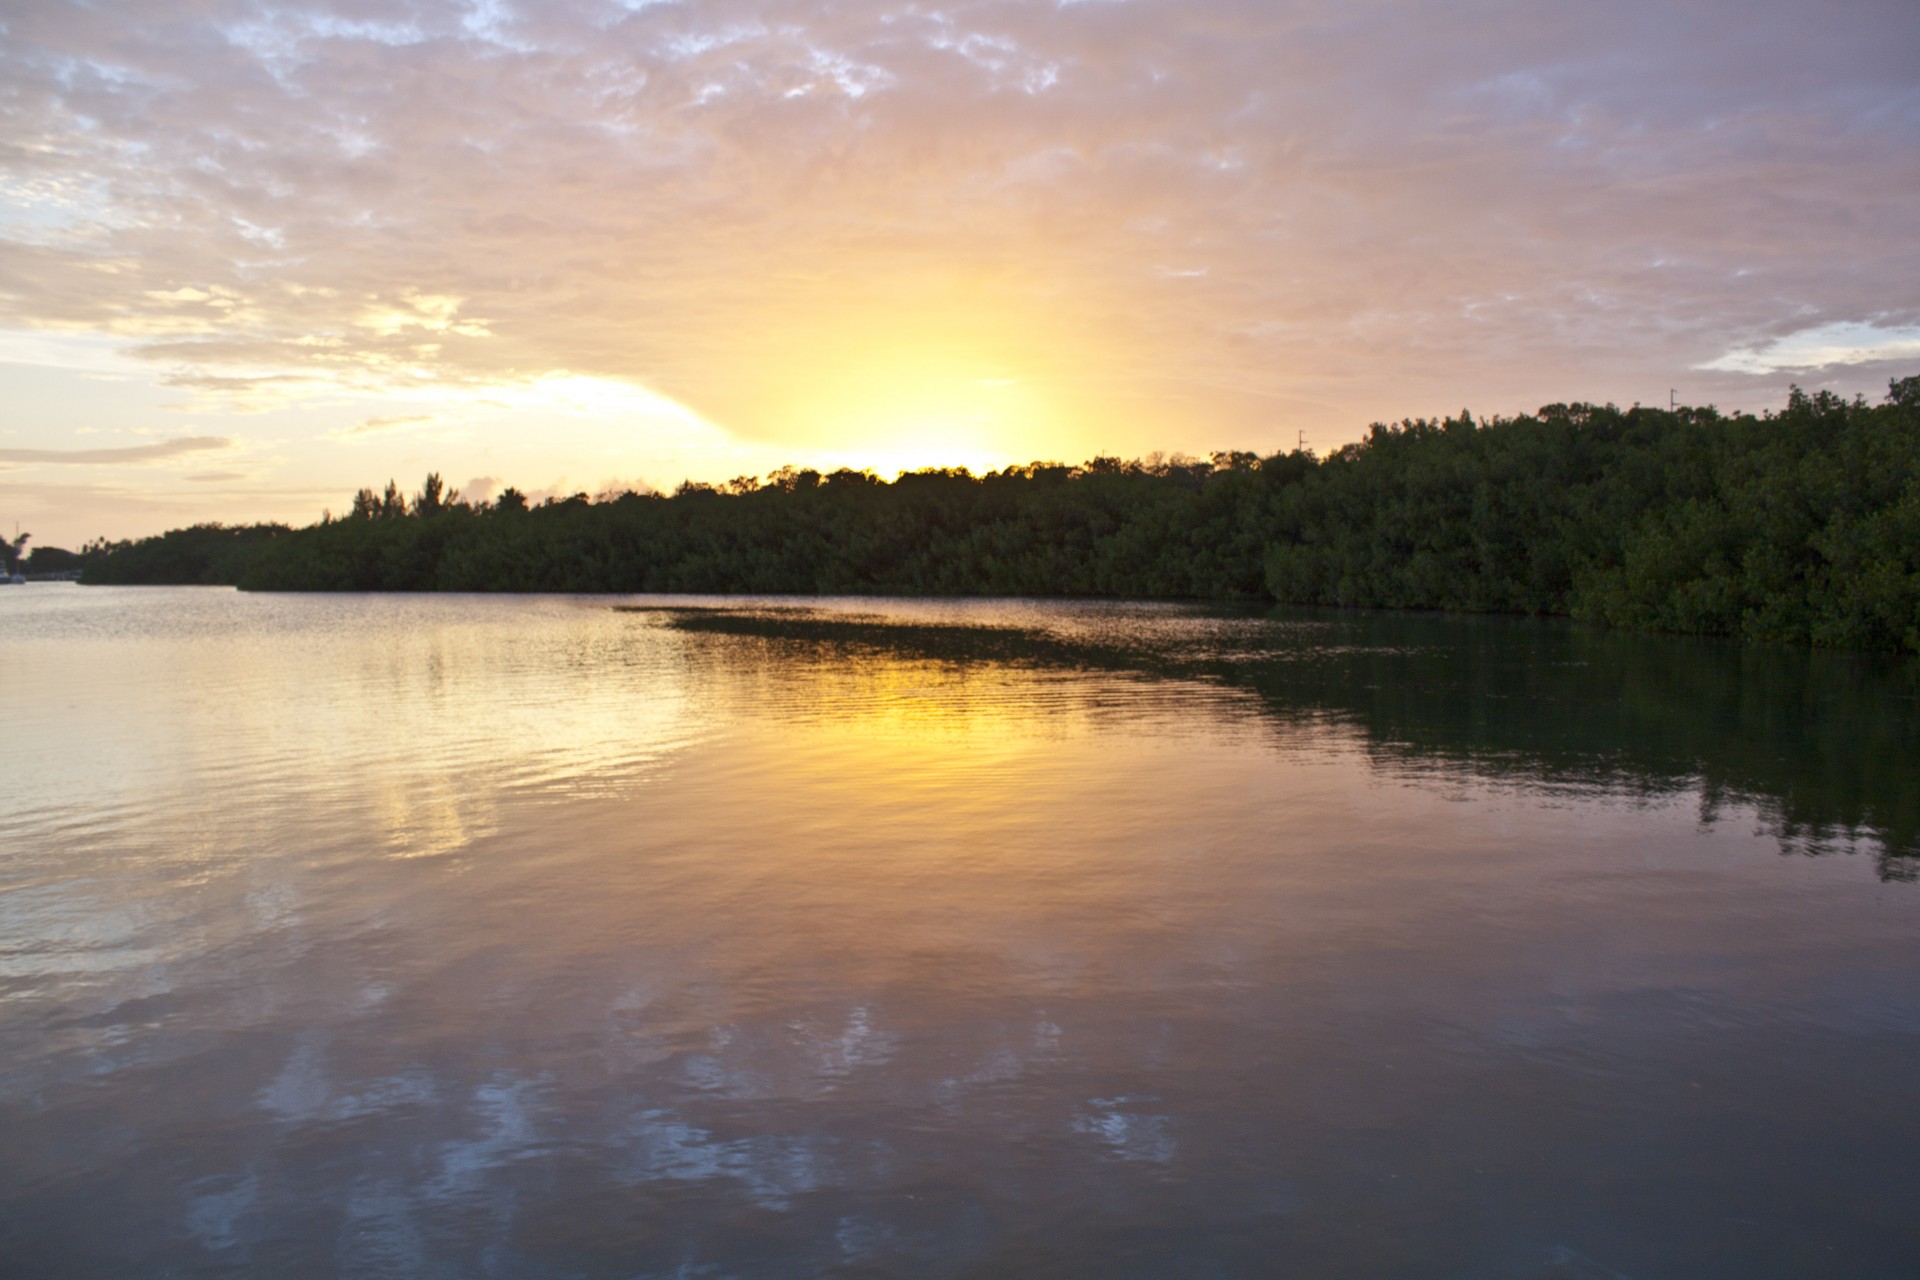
(1801, 526)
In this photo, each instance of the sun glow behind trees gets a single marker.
(1802, 526)
(565, 245)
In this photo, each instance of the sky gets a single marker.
(254, 256)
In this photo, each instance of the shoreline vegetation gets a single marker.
(1801, 526)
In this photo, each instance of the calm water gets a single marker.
(452, 936)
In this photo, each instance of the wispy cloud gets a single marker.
(131, 456)
(702, 198)
(1157, 224)
(382, 425)
(1823, 347)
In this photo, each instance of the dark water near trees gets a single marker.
(448, 936)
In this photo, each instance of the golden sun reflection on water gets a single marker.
(920, 937)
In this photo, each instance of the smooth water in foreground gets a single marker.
(540, 937)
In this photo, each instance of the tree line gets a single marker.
(41, 562)
(1801, 525)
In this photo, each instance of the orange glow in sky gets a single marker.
(253, 259)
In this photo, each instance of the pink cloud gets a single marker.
(1221, 218)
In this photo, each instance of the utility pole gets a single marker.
(1302, 446)
(1671, 403)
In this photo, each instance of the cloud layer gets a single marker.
(117, 457)
(1136, 225)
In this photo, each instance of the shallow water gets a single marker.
(458, 936)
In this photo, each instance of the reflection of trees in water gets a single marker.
(1824, 745)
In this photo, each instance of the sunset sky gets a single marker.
(254, 255)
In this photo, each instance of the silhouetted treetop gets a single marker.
(1800, 526)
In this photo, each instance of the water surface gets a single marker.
(457, 936)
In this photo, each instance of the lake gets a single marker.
(615, 937)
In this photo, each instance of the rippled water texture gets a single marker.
(444, 936)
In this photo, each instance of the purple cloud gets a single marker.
(1218, 217)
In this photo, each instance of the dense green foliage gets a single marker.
(49, 560)
(46, 560)
(202, 554)
(1801, 526)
